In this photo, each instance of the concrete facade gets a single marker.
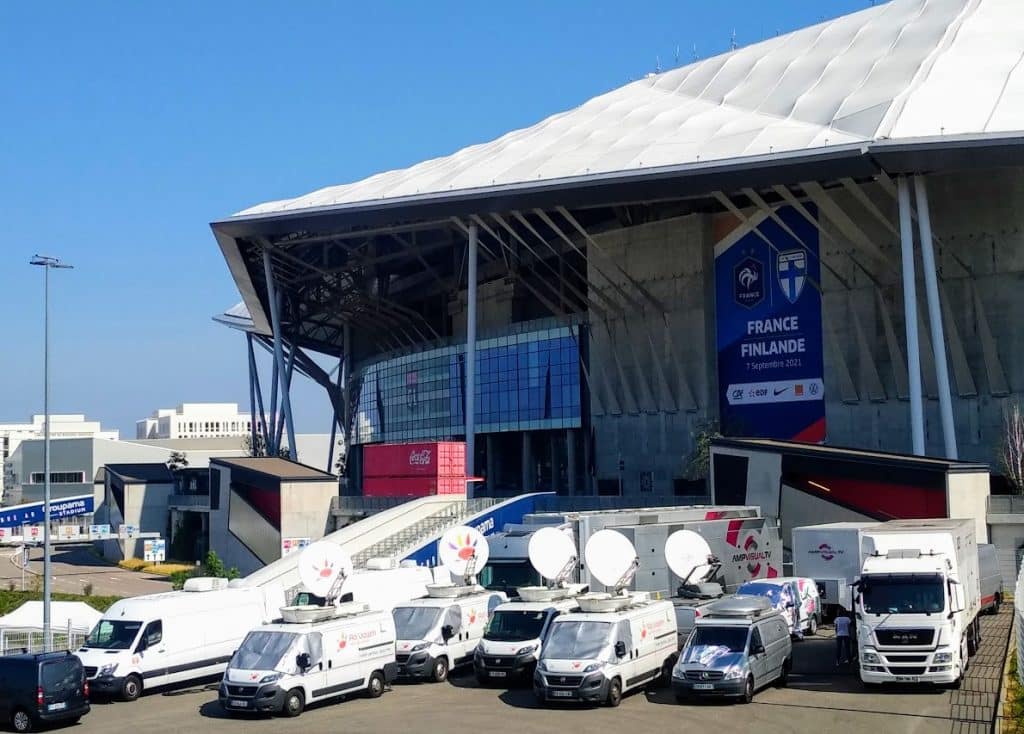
(195, 420)
(135, 494)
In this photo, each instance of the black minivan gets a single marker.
(42, 688)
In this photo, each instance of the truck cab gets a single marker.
(441, 632)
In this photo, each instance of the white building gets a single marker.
(72, 425)
(195, 420)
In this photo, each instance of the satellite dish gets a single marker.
(610, 557)
(687, 554)
(322, 565)
(463, 551)
(552, 553)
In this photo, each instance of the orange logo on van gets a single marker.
(341, 643)
(472, 616)
(466, 547)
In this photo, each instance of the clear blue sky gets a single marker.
(128, 127)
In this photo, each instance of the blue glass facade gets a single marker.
(524, 382)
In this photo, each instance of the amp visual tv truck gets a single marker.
(918, 601)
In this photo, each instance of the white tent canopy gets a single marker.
(908, 70)
(79, 615)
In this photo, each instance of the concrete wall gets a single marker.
(222, 542)
(1007, 534)
(967, 496)
(305, 508)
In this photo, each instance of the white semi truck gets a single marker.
(918, 601)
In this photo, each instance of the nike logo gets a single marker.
(779, 391)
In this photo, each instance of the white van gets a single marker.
(514, 637)
(796, 598)
(172, 637)
(312, 655)
(441, 632)
(597, 656)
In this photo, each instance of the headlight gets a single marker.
(734, 672)
(108, 669)
(524, 650)
(593, 667)
(870, 657)
(419, 647)
(270, 678)
(943, 657)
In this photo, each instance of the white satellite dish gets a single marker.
(322, 565)
(610, 557)
(688, 555)
(463, 551)
(553, 554)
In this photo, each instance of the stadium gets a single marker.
(813, 238)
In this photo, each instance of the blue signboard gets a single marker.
(12, 517)
(768, 314)
(490, 521)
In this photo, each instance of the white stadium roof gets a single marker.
(910, 71)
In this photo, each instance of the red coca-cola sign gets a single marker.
(436, 459)
(419, 457)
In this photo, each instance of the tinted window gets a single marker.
(113, 634)
(61, 675)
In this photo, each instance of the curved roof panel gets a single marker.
(888, 72)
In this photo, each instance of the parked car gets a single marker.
(42, 688)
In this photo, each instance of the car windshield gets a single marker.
(113, 634)
(415, 623)
(903, 594)
(515, 626)
(577, 640)
(709, 642)
(263, 650)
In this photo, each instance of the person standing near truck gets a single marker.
(842, 636)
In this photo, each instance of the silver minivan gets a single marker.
(738, 645)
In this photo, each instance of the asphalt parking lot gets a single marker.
(74, 567)
(820, 697)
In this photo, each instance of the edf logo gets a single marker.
(748, 282)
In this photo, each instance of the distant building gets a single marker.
(195, 420)
(72, 425)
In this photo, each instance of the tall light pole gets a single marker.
(46, 263)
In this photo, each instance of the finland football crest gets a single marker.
(791, 270)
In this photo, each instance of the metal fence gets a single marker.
(561, 503)
(13, 641)
(1006, 504)
(1018, 613)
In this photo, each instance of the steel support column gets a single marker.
(931, 289)
(910, 317)
(470, 411)
(253, 419)
(275, 317)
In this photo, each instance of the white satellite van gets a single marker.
(172, 637)
(441, 632)
(315, 651)
(517, 630)
(617, 642)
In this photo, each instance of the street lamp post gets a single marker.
(46, 263)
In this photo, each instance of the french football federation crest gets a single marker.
(792, 273)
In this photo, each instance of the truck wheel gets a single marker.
(375, 686)
(614, 693)
(440, 673)
(972, 645)
(748, 690)
(21, 721)
(995, 607)
(294, 703)
(132, 688)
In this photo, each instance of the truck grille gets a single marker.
(90, 671)
(564, 681)
(704, 675)
(243, 691)
(897, 659)
(491, 661)
(907, 669)
(905, 636)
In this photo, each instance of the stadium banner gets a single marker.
(768, 319)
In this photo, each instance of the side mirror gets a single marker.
(141, 646)
(447, 632)
(302, 661)
(620, 649)
(790, 605)
(757, 650)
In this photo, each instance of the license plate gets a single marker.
(239, 704)
(57, 706)
(497, 674)
(561, 694)
(703, 686)
(907, 679)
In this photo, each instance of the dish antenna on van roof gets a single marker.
(690, 558)
(612, 560)
(553, 555)
(323, 568)
(463, 551)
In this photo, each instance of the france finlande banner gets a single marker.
(768, 313)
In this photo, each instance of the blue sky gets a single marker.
(128, 127)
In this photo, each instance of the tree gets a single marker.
(699, 461)
(1011, 450)
(260, 447)
(177, 460)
